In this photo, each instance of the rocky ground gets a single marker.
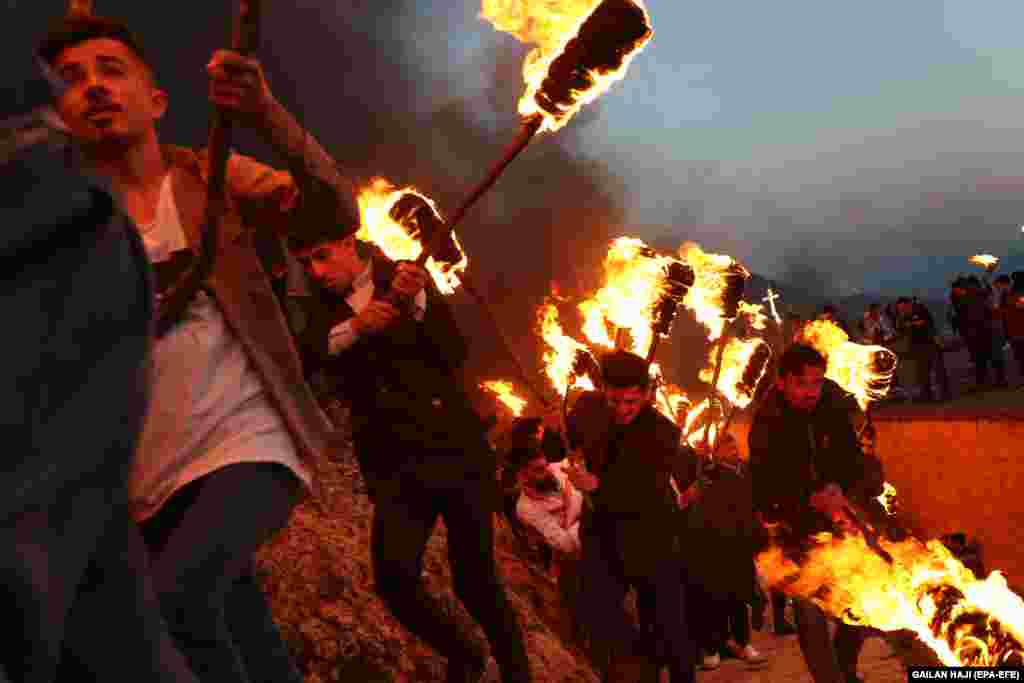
(318, 576)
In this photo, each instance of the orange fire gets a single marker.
(505, 393)
(705, 296)
(375, 204)
(888, 498)
(550, 26)
(863, 370)
(738, 353)
(558, 359)
(966, 621)
(986, 261)
(632, 286)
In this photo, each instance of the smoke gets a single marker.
(420, 95)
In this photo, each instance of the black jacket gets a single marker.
(786, 469)
(402, 384)
(634, 506)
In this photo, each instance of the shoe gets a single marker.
(711, 662)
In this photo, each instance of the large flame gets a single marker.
(966, 621)
(705, 297)
(375, 204)
(550, 25)
(505, 393)
(986, 261)
(634, 275)
(863, 370)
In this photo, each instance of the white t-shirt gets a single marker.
(544, 513)
(208, 408)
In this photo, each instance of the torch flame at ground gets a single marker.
(863, 370)
(551, 27)
(375, 204)
(504, 392)
(986, 261)
(964, 620)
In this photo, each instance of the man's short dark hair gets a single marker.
(622, 369)
(800, 356)
(903, 300)
(71, 31)
(316, 233)
(523, 444)
(1003, 279)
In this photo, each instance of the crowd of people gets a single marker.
(987, 319)
(173, 422)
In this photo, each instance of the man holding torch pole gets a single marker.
(233, 430)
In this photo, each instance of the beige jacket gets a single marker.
(269, 200)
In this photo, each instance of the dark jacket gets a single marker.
(793, 455)
(402, 384)
(634, 506)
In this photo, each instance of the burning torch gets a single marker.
(604, 43)
(735, 281)
(678, 279)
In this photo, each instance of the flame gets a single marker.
(738, 353)
(854, 367)
(375, 203)
(966, 621)
(888, 498)
(632, 286)
(986, 261)
(558, 359)
(550, 25)
(705, 296)
(505, 393)
(668, 398)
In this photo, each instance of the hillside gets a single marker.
(318, 576)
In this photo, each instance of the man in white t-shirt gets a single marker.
(233, 430)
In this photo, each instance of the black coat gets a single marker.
(786, 469)
(407, 403)
(634, 503)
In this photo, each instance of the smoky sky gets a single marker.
(356, 75)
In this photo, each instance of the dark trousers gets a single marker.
(202, 542)
(661, 603)
(76, 589)
(983, 353)
(830, 659)
(714, 620)
(464, 494)
(930, 359)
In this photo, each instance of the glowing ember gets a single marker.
(966, 621)
(634, 276)
(863, 370)
(559, 359)
(706, 296)
(986, 261)
(505, 393)
(375, 205)
(582, 48)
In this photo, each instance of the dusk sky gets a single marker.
(883, 139)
